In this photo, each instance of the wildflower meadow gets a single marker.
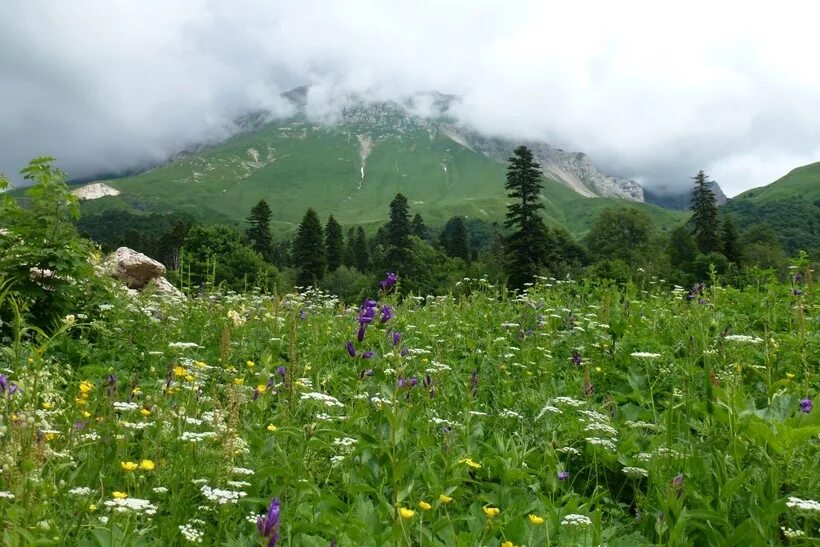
(572, 414)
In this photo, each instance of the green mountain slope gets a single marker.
(297, 164)
(790, 204)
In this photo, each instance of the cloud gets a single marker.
(651, 90)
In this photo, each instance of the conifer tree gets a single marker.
(704, 219)
(398, 235)
(729, 239)
(309, 250)
(418, 228)
(349, 258)
(526, 247)
(453, 239)
(334, 244)
(258, 232)
(360, 251)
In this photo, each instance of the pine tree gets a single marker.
(398, 235)
(704, 215)
(309, 250)
(258, 232)
(334, 244)
(360, 251)
(349, 258)
(527, 246)
(729, 239)
(418, 228)
(453, 239)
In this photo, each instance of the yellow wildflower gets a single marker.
(425, 506)
(443, 498)
(119, 495)
(86, 386)
(470, 463)
(48, 406)
(406, 513)
(180, 371)
(238, 381)
(128, 466)
(92, 507)
(507, 544)
(86, 414)
(147, 465)
(261, 388)
(49, 436)
(189, 378)
(145, 412)
(491, 511)
(536, 520)
(789, 376)
(250, 364)
(81, 400)
(272, 428)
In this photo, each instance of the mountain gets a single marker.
(680, 200)
(353, 161)
(790, 204)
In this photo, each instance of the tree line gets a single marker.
(622, 244)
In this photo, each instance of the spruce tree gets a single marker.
(334, 244)
(418, 228)
(704, 219)
(309, 250)
(258, 232)
(526, 247)
(360, 251)
(398, 235)
(453, 239)
(729, 239)
(349, 258)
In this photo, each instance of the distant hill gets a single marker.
(353, 165)
(790, 204)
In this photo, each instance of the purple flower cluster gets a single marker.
(806, 405)
(388, 282)
(268, 525)
(7, 388)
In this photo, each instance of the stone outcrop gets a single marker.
(133, 268)
(162, 287)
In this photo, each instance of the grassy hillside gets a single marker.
(791, 204)
(301, 165)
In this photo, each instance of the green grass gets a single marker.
(700, 437)
(319, 167)
(803, 182)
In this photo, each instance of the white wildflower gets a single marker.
(635, 472)
(743, 338)
(80, 491)
(644, 355)
(803, 505)
(131, 505)
(573, 519)
(221, 496)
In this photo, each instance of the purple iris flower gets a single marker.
(414, 381)
(280, 370)
(563, 475)
(396, 337)
(351, 350)
(13, 388)
(400, 382)
(268, 525)
(367, 355)
(3, 383)
(806, 405)
(387, 313)
(388, 282)
(360, 334)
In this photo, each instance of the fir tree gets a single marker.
(526, 246)
(453, 239)
(360, 251)
(729, 239)
(334, 244)
(349, 258)
(418, 228)
(258, 232)
(398, 235)
(704, 219)
(309, 250)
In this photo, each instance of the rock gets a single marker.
(95, 190)
(162, 287)
(133, 268)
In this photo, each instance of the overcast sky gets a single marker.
(650, 90)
